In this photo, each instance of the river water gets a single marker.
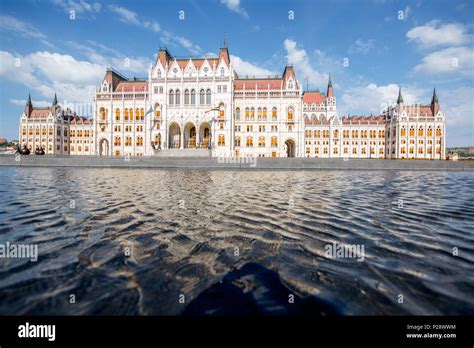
(145, 241)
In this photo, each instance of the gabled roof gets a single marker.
(313, 97)
(131, 86)
(262, 84)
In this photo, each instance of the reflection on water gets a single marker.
(238, 242)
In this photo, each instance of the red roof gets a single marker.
(130, 86)
(363, 119)
(252, 84)
(426, 110)
(40, 113)
(313, 97)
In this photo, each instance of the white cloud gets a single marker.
(373, 99)
(18, 27)
(186, 43)
(457, 105)
(301, 63)
(109, 57)
(434, 34)
(361, 46)
(234, 5)
(46, 73)
(168, 38)
(457, 61)
(244, 68)
(36, 103)
(130, 17)
(80, 6)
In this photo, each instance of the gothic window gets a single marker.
(208, 96)
(193, 97)
(237, 114)
(201, 97)
(221, 141)
(186, 97)
(274, 114)
(178, 96)
(157, 110)
(171, 97)
(117, 114)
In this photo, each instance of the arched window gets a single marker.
(128, 141)
(171, 98)
(131, 114)
(222, 72)
(221, 141)
(137, 114)
(264, 114)
(193, 97)
(259, 114)
(274, 114)
(117, 114)
(247, 113)
(126, 117)
(430, 132)
(274, 142)
(412, 132)
(420, 132)
(117, 141)
(261, 141)
(157, 110)
(252, 114)
(139, 141)
(290, 114)
(202, 97)
(142, 114)
(237, 114)
(178, 95)
(208, 96)
(186, 97)
(249, 142)
(103, 113)
(237, 141)
(221, 110)
(336, 133)
(438, 132)
(403, 132)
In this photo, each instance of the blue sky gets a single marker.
(370, 47)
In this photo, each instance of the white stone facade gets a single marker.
(192, 105)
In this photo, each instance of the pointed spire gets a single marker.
(224, 45)
(400, 98)
(55, 100)
(329, 91)
(29, 104)
(434, 100)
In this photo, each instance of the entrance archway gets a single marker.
(290, 148)
(190, 136)
(174, 141)
(205, 135)
(103, 147)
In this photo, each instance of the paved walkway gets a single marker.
(235, 163)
